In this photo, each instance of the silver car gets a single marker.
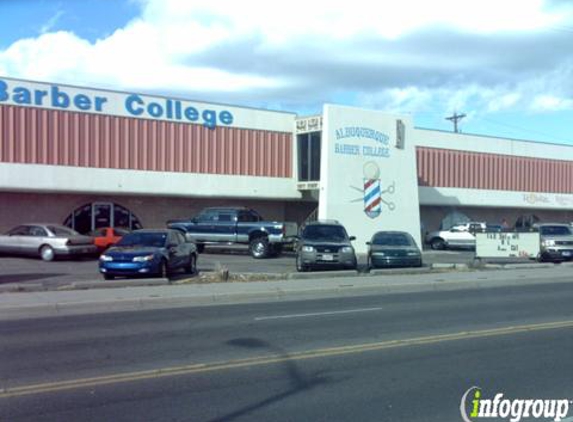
(556, 242)
(47, 241)
(325, 244)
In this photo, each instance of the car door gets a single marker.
(11, 242)
(185, 248)
(36, 237)
(177, 252)
(203, 230)
(245, 220)
(460, 238)
(224, 226)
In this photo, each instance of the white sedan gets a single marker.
(47, 241)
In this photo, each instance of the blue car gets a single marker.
(149, 252)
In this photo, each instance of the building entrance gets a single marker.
(95, 215)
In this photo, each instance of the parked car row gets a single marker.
(319, 245)
(326, 244)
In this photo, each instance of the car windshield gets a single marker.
(392, 239)
(324, 232)
(555, 231)
(62, 231)
(156, 240)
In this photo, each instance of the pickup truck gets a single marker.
(237, 225)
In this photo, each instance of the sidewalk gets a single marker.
(71, 302)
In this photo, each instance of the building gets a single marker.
(91, 158)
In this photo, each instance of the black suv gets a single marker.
(325, 244)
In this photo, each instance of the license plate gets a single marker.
(327, 257)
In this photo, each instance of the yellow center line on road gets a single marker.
(270, 359)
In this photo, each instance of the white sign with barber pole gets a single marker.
(368, 179)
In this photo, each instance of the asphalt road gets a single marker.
(401, 357)
(51, 274)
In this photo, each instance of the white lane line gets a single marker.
(314, 314)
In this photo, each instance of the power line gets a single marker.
(524, 130)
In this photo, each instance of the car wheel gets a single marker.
(47, 253)
(300, 267)
(192, 267)
(259, 247)
(438, 244)
(369, 264)
(108, 277)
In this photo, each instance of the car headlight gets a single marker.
(413, 253)
(548, 243)
(347, 249)
(106, 258)
(143, 258)
(307, 249)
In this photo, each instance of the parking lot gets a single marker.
(236, 260)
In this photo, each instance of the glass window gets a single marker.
(98, 233)
(121, 216)
(309, 156)
(144, 239)
(38, 231)
(555, 231)
(249, 216)
(207, 216)
(303, 157)
(324, 232)
(19, 231)
(315, 156)
(81, 219)
(226, 216)
(392, 239)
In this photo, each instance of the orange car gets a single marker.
(107, 236)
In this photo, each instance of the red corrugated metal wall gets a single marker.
(472, 170)
(40, 136)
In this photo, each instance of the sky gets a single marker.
(506, 64)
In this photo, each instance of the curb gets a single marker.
(226, 277)
(322, 274)
(84, 285)
(277, 294)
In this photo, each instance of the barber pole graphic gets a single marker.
(372, 198)
(372, 192)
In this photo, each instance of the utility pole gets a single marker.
(455, 119)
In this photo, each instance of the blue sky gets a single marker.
(89, 19)
(507, 65)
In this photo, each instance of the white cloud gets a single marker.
(551, 103)
(405, 55)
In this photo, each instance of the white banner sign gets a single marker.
(507, 245)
